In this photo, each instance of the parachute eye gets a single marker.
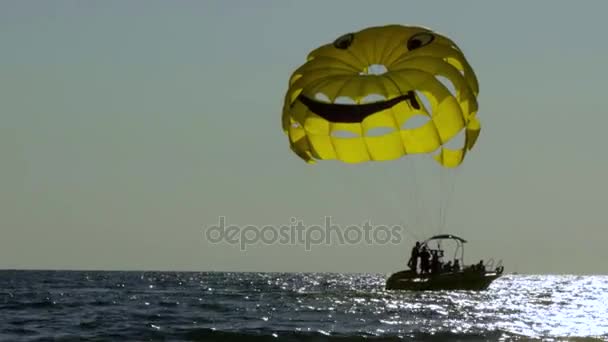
(419, 40)
(343, 42)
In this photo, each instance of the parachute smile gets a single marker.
(351, 113)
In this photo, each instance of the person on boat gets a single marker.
(425, 260)
(435, 263)
(413, 262)
(456, 267)
(448, 266)
(480, 267)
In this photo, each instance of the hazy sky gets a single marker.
(127, 127)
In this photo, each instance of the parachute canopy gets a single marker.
(354, 100)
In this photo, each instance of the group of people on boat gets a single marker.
(430, 261)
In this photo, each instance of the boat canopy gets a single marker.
(446, 236)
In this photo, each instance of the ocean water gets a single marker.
(181, 306)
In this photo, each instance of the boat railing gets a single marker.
(489, 265)
(499, 267)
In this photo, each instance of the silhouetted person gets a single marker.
(447, 267)
(456, 267)
(413, 262)
(480, 266)
(435, 264)
(425, 260)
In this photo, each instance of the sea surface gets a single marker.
(182, 306)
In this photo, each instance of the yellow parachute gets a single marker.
(376, 80)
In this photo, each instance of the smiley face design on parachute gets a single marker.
(370, 85)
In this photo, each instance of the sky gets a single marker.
(129, 128)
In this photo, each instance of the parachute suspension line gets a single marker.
(374, 195)
(441, 200)
(412, 191)
(450, 194)
(391, 199)
(354, 184)
(448, 185)
(439, 189)
(411, 188)
(445, 197)
(430, 210)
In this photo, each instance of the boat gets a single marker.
(475, 277)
